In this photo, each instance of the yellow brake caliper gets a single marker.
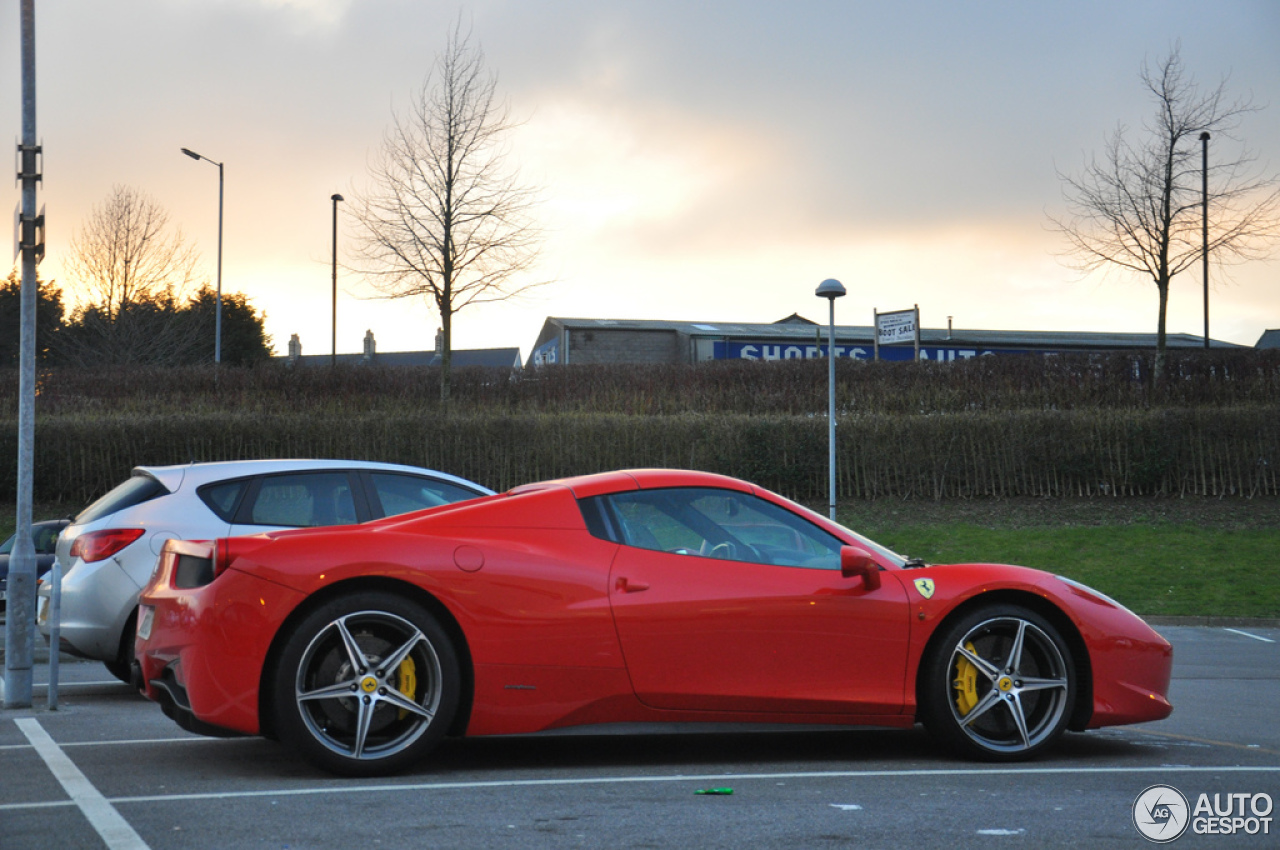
(408, 682)
(966, 683)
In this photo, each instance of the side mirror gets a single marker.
(857, 562)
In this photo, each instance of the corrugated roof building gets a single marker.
(565, 340)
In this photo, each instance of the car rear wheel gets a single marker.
(998, 685)
(122, 666)
(366, 685)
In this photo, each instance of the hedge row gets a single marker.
(1118, 381)
(1213, 452)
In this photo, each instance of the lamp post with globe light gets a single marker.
(831, 289)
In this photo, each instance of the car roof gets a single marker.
(585, 486)
(196, 474)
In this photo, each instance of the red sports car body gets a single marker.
(640, 596)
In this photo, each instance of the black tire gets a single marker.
(999, 684)
(118, 669)
(122, 666)
(341, 709)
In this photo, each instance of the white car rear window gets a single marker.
(135, 491)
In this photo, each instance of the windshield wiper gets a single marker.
(914, 564)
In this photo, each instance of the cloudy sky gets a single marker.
(696, 160)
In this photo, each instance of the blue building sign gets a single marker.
(732, 350)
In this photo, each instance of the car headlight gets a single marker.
(1084, 588)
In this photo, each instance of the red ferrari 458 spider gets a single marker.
(640, 596)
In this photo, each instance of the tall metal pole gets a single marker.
(916, 320)
(217, 320)
(831, 408)
(831, 289)
(217, 313)
(333, 358)
(19, 656)
(1204, 222)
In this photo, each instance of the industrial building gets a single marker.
(795, 337)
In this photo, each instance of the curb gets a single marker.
(1243, 622)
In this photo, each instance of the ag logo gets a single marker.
(925, 586)
(1161, 814)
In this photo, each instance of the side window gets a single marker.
(223, 497)
(46, 539)
(722, 524)
(400, 494)
(654, 520)
(595, 513)
(760, 531)
(43, 537)
(303, 500)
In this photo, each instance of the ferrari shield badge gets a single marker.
(925, 586)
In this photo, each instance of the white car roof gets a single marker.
(195, 474)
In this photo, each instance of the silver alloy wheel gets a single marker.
(368, 685)
(1009, 685)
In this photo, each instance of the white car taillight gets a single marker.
(99, 545)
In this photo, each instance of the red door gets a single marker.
(707, 634)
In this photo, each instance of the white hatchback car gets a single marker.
(108, 552)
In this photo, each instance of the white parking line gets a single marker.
(720, 778)
(40, 690)
(127, 742)
(102, 816)
(1246, 634)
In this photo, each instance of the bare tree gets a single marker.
(130, 272)
(1139, 207)
(125, 254)
(446, 218)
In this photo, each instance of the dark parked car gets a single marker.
(45, 536)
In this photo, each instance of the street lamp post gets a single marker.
(1204, 223)
(831, 289)
(19, 627)
(217, 316)
(333, 357)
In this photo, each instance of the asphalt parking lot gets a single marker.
(107, 769)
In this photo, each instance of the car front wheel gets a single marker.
(998, 685)
(367, 684)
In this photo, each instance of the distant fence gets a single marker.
(1224, 451)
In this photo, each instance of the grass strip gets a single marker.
(1158, 569)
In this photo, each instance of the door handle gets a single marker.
(628, 586)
